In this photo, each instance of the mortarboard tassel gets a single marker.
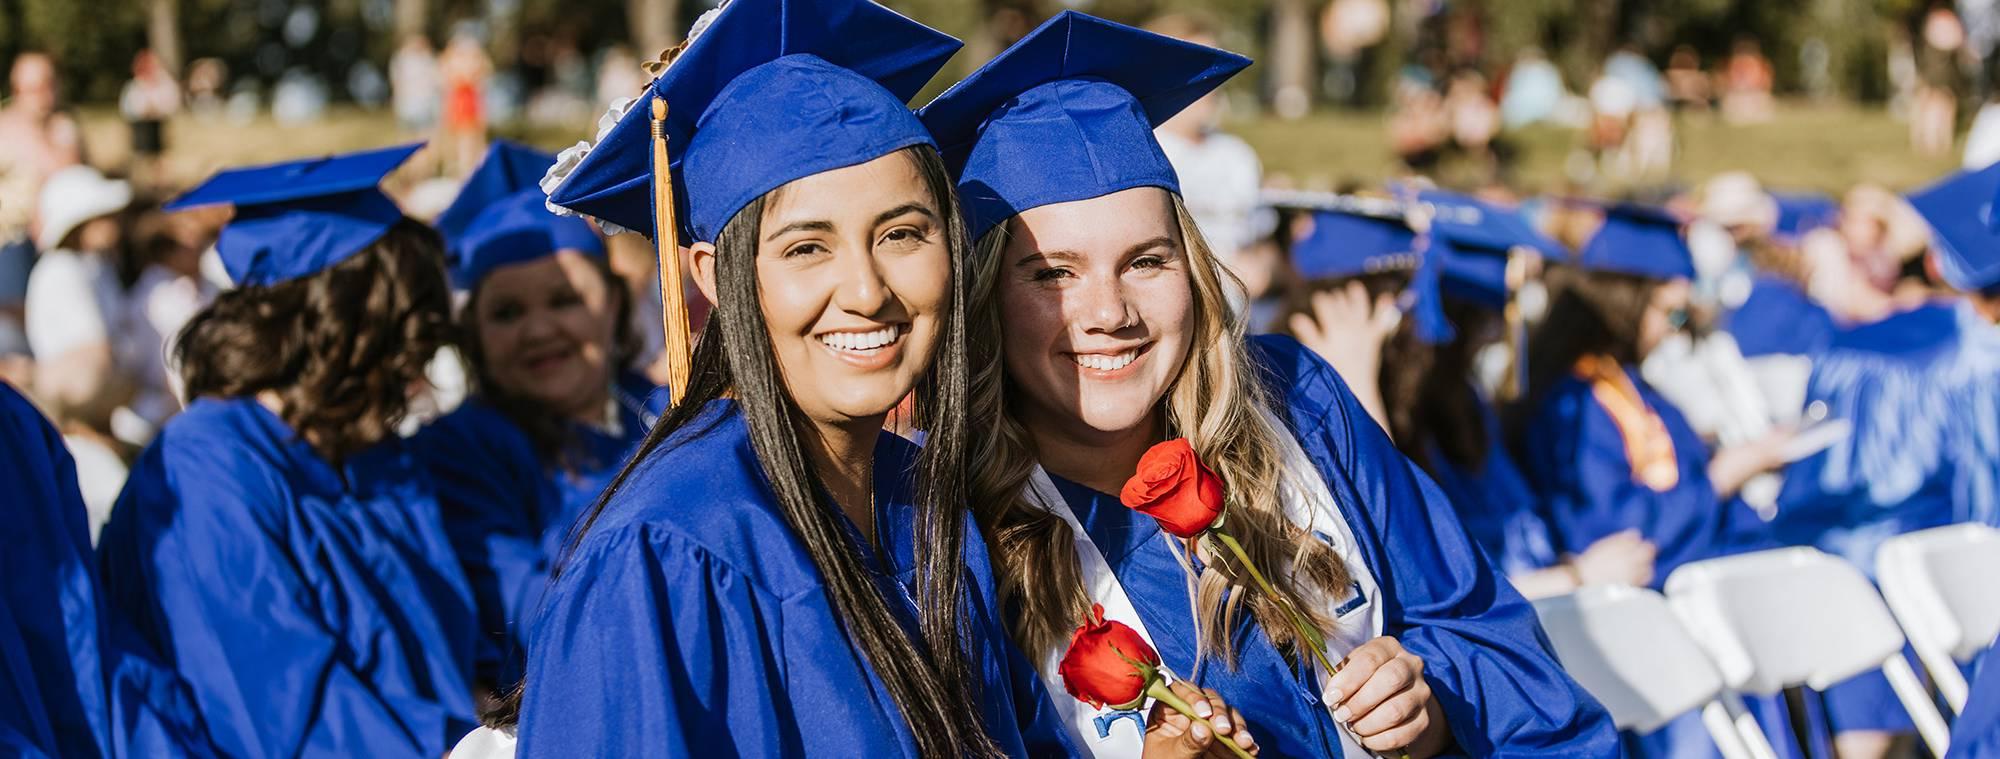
(673, 299)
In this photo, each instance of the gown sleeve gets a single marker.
(649, 645)
(219, 589)
(489, 490)
(1485, 656)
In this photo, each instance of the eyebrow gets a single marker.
(827, 226)
(1162, 241)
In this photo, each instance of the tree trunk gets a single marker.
(655, 25)
(1291, 54)
(163, 33)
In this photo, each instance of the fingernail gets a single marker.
(1201, 709)
(1200, 731)
(1342, 714)
(1222, 722)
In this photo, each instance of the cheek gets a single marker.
(1166, 306)
(1030, 319)
(791, 303)
(923, 281)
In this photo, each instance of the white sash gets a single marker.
(1307, 504)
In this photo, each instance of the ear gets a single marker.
(702, 256)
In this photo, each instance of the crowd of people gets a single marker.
(293, 468)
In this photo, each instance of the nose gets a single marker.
(537, 326)
(861, 289)
(1103, 306)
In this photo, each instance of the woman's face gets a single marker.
(1665, 314)
(547, 329)
(1096, 309)
(854, 276)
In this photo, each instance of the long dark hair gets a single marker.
(550, 434)
(339, 348)
(1591, 313)
(928, 678)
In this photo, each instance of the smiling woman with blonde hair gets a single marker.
(1109, 318)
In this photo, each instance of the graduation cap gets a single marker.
(1481, 237)
(1355, 242)
(1068, 114)
(1964, 228)
(771, 91)
(298, 218)
(1639, 240)
(500, 217)
(1799, 213)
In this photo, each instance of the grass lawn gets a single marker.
(1808, 147)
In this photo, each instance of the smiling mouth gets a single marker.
(1109, 362)
(865, 343)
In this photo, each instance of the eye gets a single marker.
(503, 312)
(1051, 274)
(804, 249)
(565, 299)
(1149, 262)
(906, 235)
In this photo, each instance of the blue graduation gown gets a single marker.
(314, 611)
(1500, 511)
(1483, 649)
(508, 511)
(51, 673)
(691, 622)
(1976, 734)
(1576, 457)
(1779, 318)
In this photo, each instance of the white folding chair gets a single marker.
(1939, 582)
(1626, 648)
(1795, 616)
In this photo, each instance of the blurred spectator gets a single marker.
(465, 71)
(148, 100)
(37, 139)
(76, 324)
(1534, 91)
(1347, 29)
(1475, 122)
(1219, 173)
(414, 86)
(1941, 45)
(618, 76)
(1746, 85)
(1419, 127)
(208, 87)
(169, 291)
(1631, 133)
(1982, 140)
(1649, 88)
(1688, 87)
(299, 98)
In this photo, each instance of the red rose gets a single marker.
(1174, 487)
(1108, 663)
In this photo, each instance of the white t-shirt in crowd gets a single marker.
(161, 303)
(1220, 178)
(73, 301)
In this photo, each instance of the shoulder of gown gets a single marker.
(1488, 662)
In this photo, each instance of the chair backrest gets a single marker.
(1625, 647)
(1792, 616)
(1939, 582)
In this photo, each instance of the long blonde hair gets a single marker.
(1216, 402)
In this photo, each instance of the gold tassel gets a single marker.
(673, 300)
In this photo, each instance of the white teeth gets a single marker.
(1105, 363)
(862, 341)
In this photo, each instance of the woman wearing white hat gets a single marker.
(75, 312)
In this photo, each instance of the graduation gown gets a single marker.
(1976, 734)
(691, 622)
(1500, 511)
(313, 610)
(1575, 454)
(508, 510)
(52, 698)
(1484, 653)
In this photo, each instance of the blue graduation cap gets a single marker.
(1964, 228)
(298, 218)
(1639, 240)
(501, 217)
(1799, 213)
(1067, 114)
(1350, 244)
(771, 91)
(1480, 238)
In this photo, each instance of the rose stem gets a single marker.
(1159, 691)
(1297, 619)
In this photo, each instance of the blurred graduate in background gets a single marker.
(556, 406)
(278, 543)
